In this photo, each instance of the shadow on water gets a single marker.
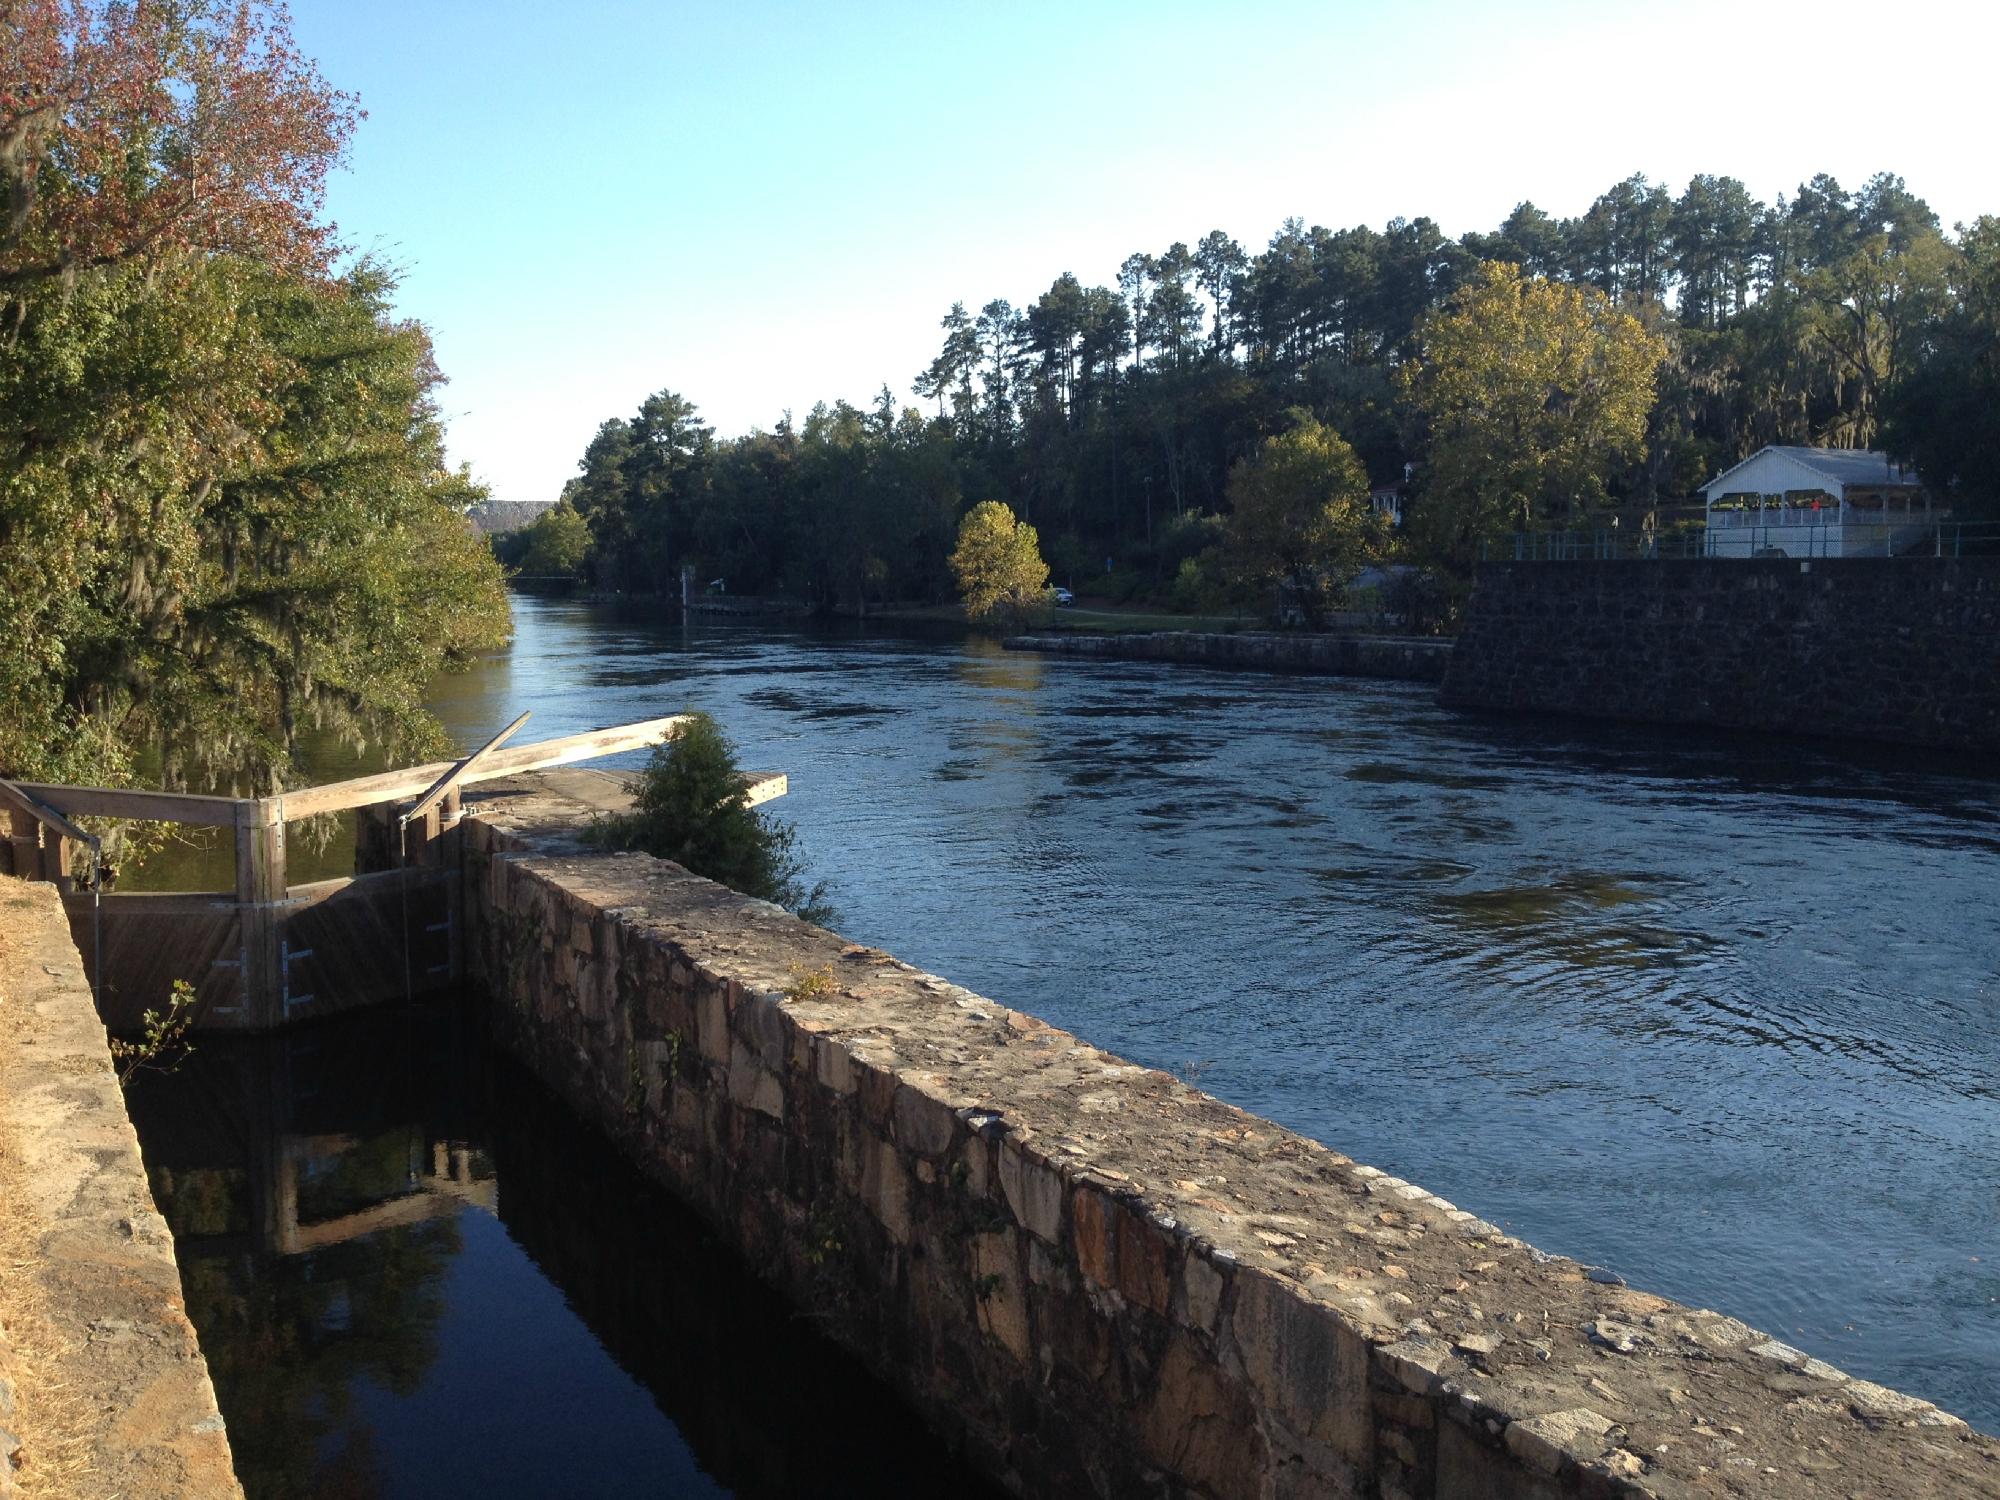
(415, 1274)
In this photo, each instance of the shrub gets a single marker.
(690, 810)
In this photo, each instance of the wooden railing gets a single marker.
(243, 934)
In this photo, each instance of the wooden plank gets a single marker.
(155, 903)
(376, 882)
(260, 884)
(141, 806)
(25, 801)
(393, 786)
(450, 780)
(150, 940)
(764, 786)
(388, 786)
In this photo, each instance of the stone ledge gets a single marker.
(1100, 1279)
(103, 1390)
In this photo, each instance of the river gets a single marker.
(1721, 1014)
(1716, 1013)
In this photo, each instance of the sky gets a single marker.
(765, 205)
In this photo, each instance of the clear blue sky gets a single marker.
(762, 205)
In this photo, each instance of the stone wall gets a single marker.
(103, 1390)
(1400, 657)
(1103, 1282)
(1902, 650)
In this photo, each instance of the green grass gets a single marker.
(1087, 620)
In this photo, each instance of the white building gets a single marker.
(1816, 502)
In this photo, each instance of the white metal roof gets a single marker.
(1837, 469)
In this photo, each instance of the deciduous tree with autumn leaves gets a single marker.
(225, 513)
(1533, 391)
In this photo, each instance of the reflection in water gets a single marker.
(413, 1274)
(1717, 1012)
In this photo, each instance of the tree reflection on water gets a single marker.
(331, 1193)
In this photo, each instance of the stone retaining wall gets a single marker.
(103, 1390)
(1905, 650)
(1402, 658)
(1099, 1280)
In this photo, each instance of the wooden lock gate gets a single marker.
(268, 953)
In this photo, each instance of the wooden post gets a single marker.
(260, 886)
(421, 836)
(55, 860)
(25, 839)
(375, 835)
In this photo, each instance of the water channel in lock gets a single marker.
(1718, 1013)
(416, 1276)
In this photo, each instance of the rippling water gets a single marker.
(1717, 1013)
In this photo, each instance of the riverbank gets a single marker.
(1099, 1279)
(103, 1390)
(1398, 658)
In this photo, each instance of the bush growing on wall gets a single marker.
(690, 810)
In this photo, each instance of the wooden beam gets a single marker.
(763, 786)
(154, 903)
(388, 786)
(20, 798)
(141, 806)
(450, 780)
(260, 885)
(393, 786)
(316, 891)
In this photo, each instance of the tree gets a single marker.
(133, 131)
(557, 544)
(998, 564)
(1299, 515)
(690, 809)
(1946, 416)
(225, 514)
(950, 374)
(1533, 391)
(1219, 264)
(225, 507)
(1878, 285)
(1103, 414)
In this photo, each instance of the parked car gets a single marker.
(1064, 598)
